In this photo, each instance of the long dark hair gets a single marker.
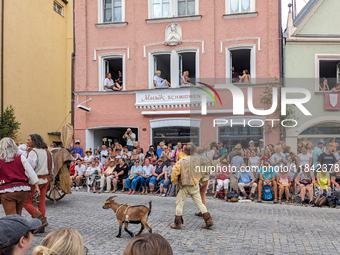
(38, 142)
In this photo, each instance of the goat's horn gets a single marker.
(111, 197)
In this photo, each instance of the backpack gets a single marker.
(332, 201)
(320, 200)
(267, 194)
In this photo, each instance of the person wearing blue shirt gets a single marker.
(134, 177)
(316, 153)
(160, 149)
(77, 149)
(267, 178)
(246, 178)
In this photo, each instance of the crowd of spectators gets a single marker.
(247, 170)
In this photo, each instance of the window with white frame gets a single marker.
(329, 73)
(240, 6)
(172, 8)
(113, 10)
(173, 65)
(241, 63)
(58, 8)
(186, 7)
(160, 8)
(113, 64)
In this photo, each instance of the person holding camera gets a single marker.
(130, 138)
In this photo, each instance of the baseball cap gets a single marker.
(261, 140)
(13, 227)
(251, 141)
(129, 129)
(320, 143)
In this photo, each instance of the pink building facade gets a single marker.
(139, 37)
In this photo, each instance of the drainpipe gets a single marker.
(72, 73)
(281, 57)
(2, 56)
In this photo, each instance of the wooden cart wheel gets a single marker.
(59, 194)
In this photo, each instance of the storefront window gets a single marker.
(175, 134)
(230, 136)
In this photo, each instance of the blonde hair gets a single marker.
(238, 153)
(277, 147)
(8, 149)
(61, 242)
(268, 151)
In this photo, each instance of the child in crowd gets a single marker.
(292, 172)
(323, 181)
(283, 180)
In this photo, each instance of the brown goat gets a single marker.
(137, 214)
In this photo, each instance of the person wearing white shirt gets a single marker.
(103, 154)
(146, 176)
(92, 172)
(108, 82)
(81, 169)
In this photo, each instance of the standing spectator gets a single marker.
(283, 181)
(266, 156)
(221, 149)
(160, 149)
(206, 151)
(96, 154)
(237, 160)
(309, 147)
(41, 161)
(323, 181)
(304, 158)
(146, 175)
(267, 178)
(177, 151)
(305, 181)
(16, 234)
(166, 156)
(170, 149)
(327, 158)
(134, 156)
(136, 144)
(77, 149)
(134, 177)
(103, 154)
(246, 179)
(316, 153)
(16, 176)
(167, 181)
(108, 176)
(130, 138)
(93, 172)
(222, 177)
(121, 173)
(278, 159)
(158, 173)
(254, 161)
(61, 242)
(217, 155)
(261, 148)
(74, 155)
(88, 158)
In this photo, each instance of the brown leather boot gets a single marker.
(178, 223)
(199, 214)
(41, 229)
(208, 220)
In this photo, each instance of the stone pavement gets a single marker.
(240, 228)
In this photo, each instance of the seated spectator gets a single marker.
(336, 89)
(16, 234)
(323, 181)
(304, 158)
(88, 158)
(292, 171)
(107, 175)
(288, 151)
(267, 178)
(246, 179)
(185, 80)
(134, 156)
(98, 162)
(146, 175)
(245, 76)
(134, 177)
(73, 172)
(96, 154)
(335, 179)
(159, 82)
(121, 173)
(141, 156)
(61, 242)
(261, 148)
(150, 244)
(108, 82)
(126, 154)
(118, 82)
(305, 181)
(166, 155)
(81, 170)
(78, 168)
(160, 149)
(158, 173)
(74, 155)
(222, 177)
(167, 179)
(93, 172)
(283, 181)
(324, 85)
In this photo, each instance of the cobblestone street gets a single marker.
(240, 228)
